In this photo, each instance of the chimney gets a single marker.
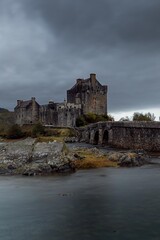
(33, 99)
(93, 79)
(92, 75)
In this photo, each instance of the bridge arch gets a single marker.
(96, 138)
(105, 137)
(87, 136)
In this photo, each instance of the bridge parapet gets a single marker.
(136, 124)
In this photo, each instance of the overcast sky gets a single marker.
(45, 45)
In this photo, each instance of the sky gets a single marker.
(45, 45)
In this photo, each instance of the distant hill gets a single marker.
(7, 119)
(3, 110)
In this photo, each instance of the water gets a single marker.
(108, 203)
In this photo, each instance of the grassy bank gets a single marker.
(47, 131)
(50, 139)
(88, 159)
(9, 130)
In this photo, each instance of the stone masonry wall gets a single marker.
(27, 115)
(90, 94)
(136, 138)
(136, 135)
(125, 135)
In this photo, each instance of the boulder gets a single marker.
(30, 158)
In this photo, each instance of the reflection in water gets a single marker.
(94, 204)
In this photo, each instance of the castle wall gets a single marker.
(48, 115)
(67, 117)
(59, 114)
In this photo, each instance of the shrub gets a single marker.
(80, 121)
(108, 117)
(37, 130)
(124, 119)
(14, 132)
(52, 132)
(143, 117)
(92, 118)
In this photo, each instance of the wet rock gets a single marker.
(65, 168)
(71, 139)
(129, 158)
(37, 169)
(77, 156)
(133, 159)
(3, 169)
(11, 167)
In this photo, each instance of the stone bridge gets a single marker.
(126, 135)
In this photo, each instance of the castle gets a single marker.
(86, 96)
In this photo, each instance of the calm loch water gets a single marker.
(91, 204)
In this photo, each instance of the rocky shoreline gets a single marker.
(29, 157)
(121, 158)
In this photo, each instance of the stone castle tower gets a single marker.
(90, 94)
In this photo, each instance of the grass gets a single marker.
(60, 132)
(90, 160)
(50, 132)
(56, 134)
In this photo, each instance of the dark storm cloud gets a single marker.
(100, 22)
(46, 45)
